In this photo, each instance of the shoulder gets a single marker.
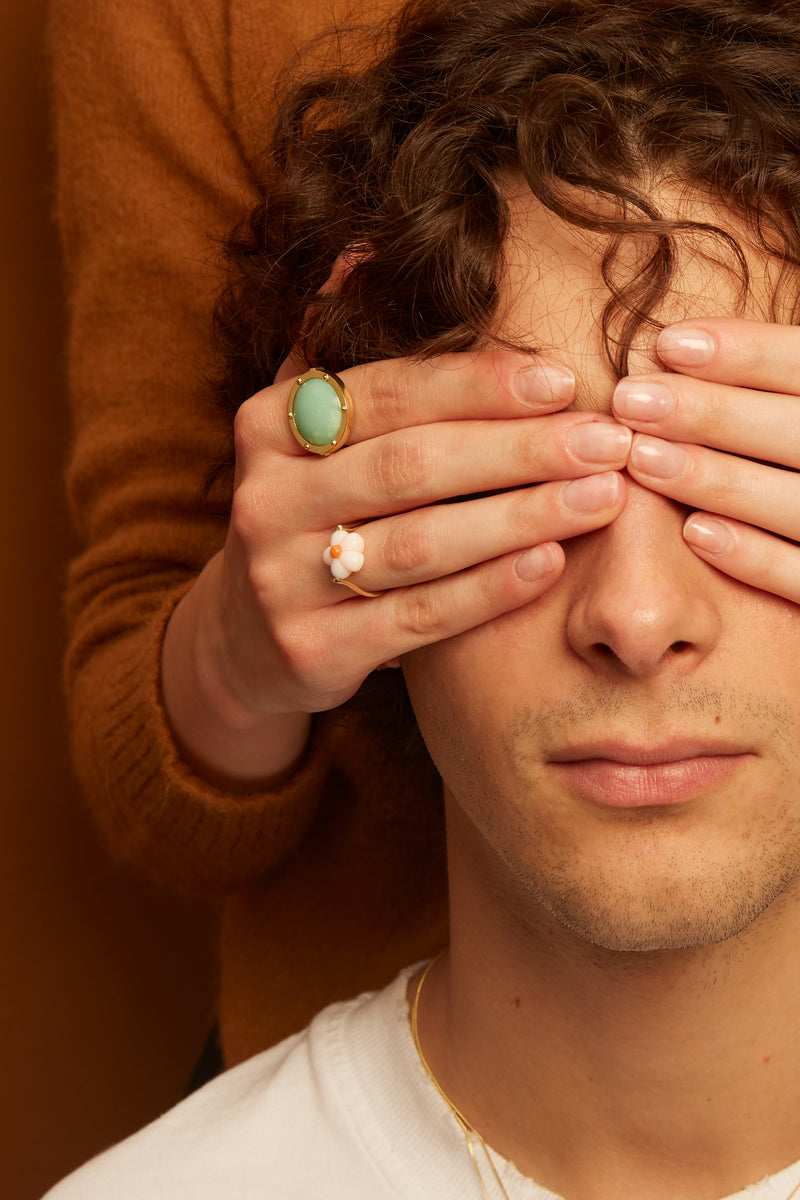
(278, 1124)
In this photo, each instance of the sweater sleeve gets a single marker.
(151, 171)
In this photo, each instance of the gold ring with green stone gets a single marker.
(320, 411)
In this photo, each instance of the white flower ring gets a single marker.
(345, 554)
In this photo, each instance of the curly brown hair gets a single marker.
(398, 167)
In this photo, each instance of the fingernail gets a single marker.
(599, 441)
(643, 400)
(541, 382)
(591, 494)
(686, 347)
(652, 456)
(708, 534)
(534, 564)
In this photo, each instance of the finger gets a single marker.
(747, 554)
(735, 351)
(497, 383)
(404, 619)
(446, 539)
(402, 393)
(721, 483)
(737, 419)
(331, 651)
(404, 470)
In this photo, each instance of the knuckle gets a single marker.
(524, 507)
(718, 492)
(528, 451)
(315, 662)
(736, 339)
(389, 394)
(265, 586)
(302, 649)
(745, 348)
(495, 369)
(409, 548)
(750, 350)
(759, 558)
(244, 430)
(250, 511)
(400, 462)
(484, 591)
(713, 399)
(709, 403)
(761, 573)
(422, 615)
(242, 513)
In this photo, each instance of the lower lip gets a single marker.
(625, 785)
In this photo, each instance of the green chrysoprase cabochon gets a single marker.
(317, 412)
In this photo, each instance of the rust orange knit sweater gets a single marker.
(336, 878)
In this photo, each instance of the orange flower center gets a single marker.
(336, 551)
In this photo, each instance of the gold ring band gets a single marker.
(348, 583)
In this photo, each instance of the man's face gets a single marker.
(626, 749)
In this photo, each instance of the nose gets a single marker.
(641, 603)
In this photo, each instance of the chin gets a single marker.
(664, 914)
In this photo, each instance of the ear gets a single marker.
(349, 258)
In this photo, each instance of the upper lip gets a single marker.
(644, 755)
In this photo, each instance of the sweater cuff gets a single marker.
(180, 827)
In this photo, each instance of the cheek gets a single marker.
(467, 690)
(465, 693)
(764, 644)
(453, 690)
(435, 676)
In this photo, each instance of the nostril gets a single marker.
(604, 649)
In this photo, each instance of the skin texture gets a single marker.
(253, 649)
(615, 1014)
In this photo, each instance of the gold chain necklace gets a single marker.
(469, 1131)
(471, 1135)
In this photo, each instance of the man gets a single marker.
(621, 764)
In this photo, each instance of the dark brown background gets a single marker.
(106, 985)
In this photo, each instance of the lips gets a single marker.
(621, 775)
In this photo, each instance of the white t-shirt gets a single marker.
(342, 1111)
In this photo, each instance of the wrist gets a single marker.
(224, 740)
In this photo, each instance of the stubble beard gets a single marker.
(652, 894)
